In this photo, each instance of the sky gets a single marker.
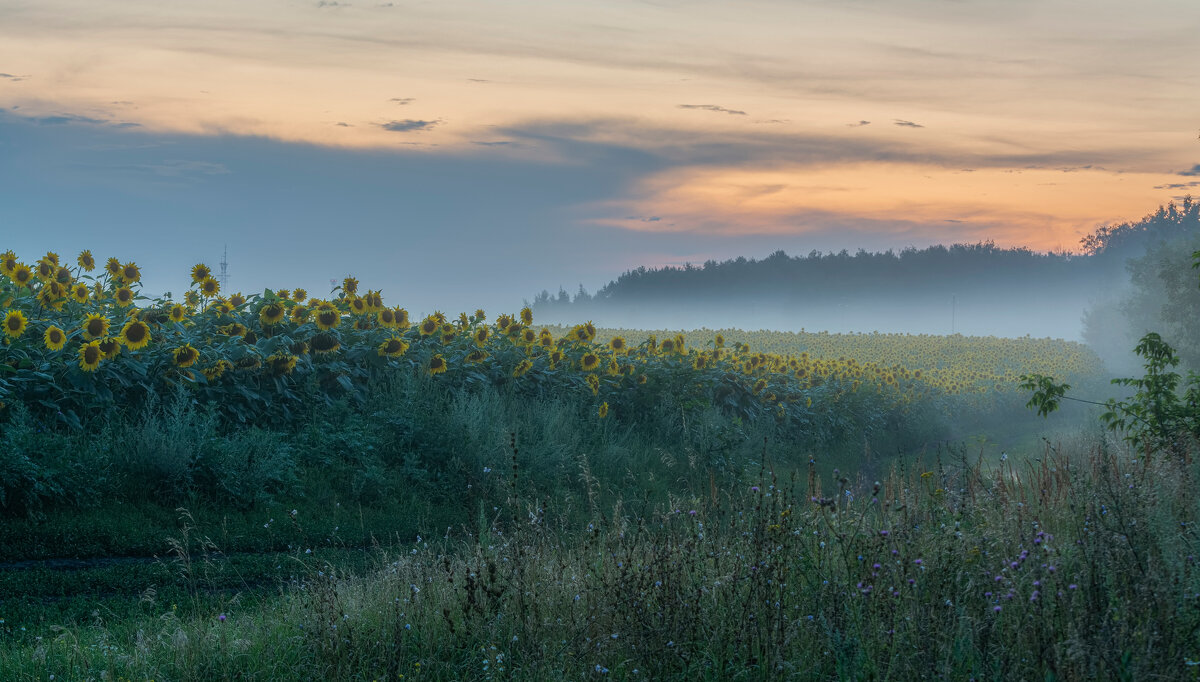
(467, 154)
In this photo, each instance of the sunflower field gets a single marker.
(81, 340)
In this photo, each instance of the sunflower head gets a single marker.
(528, 336)
(617, 345)
(185, 355)
(299, 348)
(51, 257)
(191, 298)
(526, 316)
(55, 338)
(135, 334)
(556, 356)
(46, 270)
(21, 275)
(272, 313)
(589, 361)
(95, 326)
(718, 341)
(200, 272)
(522, 367)
(124, 296)
(111, 347)
(503, 322)
(327, 316)
(350, 286)
(178, 313)
(437, 365)
(80, 292)
(248, 362)
(429, 326)
(15, 323)
(300, 314)
(593, 383)
(281, 363)
(299, 294)
(130, 273)
(63, 276)
(285, 294)
(668, 345)
(86, 262)
(401, 318)
(237, 299)
(8, 262)
(113, 267)
(394, 347)
(90, 356)
(358, 306)
(387, 318)
(324, 342)
(603, 411)
(480, 337)
(478, 355)
(209, 287)
(480, 316)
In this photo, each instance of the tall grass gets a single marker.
(1078, 564)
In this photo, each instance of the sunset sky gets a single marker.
(464, 154)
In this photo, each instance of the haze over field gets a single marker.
(472, 154)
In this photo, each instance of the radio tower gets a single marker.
(225, 269)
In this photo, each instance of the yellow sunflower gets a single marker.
(135, 334)
(284, 294)
(90, 356)
(477, 356)
(387, 318)
(185, 355)
(14, 323)
(124, 296)
(113, 267)
(394, 347)
(603, 411)
(178, 313)
(111, 347)
(437, 365)
(200, 272)
(234, 329)
(21, 275)
(210, 287)
(617, 345)
(86, 261)
(50, 297)
(80, 293)
(324, 343)
(593, 383)
(429, 326)
(95, 327)
(358, 306)
(299, 348)
(350, 285)
(51, 257)
(130, 273)
(401, 318)
(299, 294)
(191, 298)
(526, 316)
(45, 270)
(219, 368)
(528, 336)
(55, 338)
(328, 317)
(521, 368)
(480, 337)
(8, 263)
(272, 313)
(503, 322)
(589, 362)
(237, 299)
(299, 314)
(281, 363)
(63, 276)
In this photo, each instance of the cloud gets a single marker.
(858, 125)
(403, 100)
(1195, 170)
(343, 124)
(906, 124)
(63, 119)
(11, 77)
(332, 3)
(713, 107)
(1179, 185)
(408, 125)
(478, 80)
(500, 143)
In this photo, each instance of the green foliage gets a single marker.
(1046, 393)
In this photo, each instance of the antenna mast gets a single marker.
(225, 269)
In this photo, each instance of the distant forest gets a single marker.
(827, 290)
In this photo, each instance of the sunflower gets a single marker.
(617, 345)
(502, 322)
(299, 314)
(63, 276)
(700, 362)
(210, 287)
(281, 363)
(521, 368)
(80, 292)
(271, 313)
(589, 362)
(217, 370)
(593, 383)
(350, 285)
(220, 306)
(603, 411)
(200, 272)
(480, 337)
(480, 316)
(401, 319)
(526, 316)
(528, 336)
(429, 326)
(233, 329)
(719, 341)
(387, 318)
(556, 356)
(250, 338)
(437, 365)
(363, 325)
(613, 369)
(8, 262)
(448, 334)
(328, 317)
(374, 301)
(130, 273)
(111, 347)
(124, 296)
(237, 299)
(46, 270)
(178, 313)
(668, 345)
(324, 343)
(760, 385)
(135, 334)
(21, 275)
(191, 298)
(299, 294)
(14, 323)
(394, 347)
(113, 267)
(285, 294)
(90, 356)
(477, 356)
(86, 262)
(358, 306)
(51, 257)
(591, 330)
(299, 348)
(55, 338)
(642, 379)
(185, 355)
(249, 362)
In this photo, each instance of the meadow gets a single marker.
(273, 486)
